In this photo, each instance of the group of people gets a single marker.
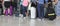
(24, 6)
(39, 5)
(6, 4)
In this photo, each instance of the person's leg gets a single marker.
(16, 7)
(6, 6)
(21, 9)
(6, 12)
(9, 7)
(24, 10)
(42, 11)
(12, 4)
(1, 9)
(38, 9)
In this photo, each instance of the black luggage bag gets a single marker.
(50, 14)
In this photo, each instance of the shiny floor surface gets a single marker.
(9, 21)
(19, 21)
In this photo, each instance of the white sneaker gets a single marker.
(2, 15)
(39, 19)
(21, 15)
(24, 17)
(43, 20)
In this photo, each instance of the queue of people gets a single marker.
(11, 7)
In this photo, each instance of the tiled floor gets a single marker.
(18, 21)
(36, 22)
(9, 21)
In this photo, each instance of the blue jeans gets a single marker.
(24, 10)
(40, 9)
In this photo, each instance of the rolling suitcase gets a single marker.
(34, 4)
(50, 14)
(33, 12)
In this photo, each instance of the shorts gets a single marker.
(7, 4)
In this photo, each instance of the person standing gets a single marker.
(40, 9)
(21, 1)
(1, 7)
(24, 7)
(14, 4)
(7, 6)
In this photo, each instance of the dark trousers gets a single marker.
(1, 9)
(40, 9)
(14, 6)
(24, 10)
(14, 9)
(21, 9)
